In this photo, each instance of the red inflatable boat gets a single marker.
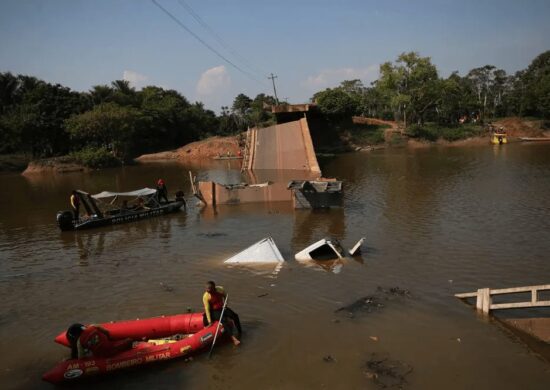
(156, 342)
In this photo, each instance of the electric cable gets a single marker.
(175, 19)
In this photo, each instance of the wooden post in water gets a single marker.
(483, 300)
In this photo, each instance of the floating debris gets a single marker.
(211, 235)
(329, 359)
(387, 373)
(166, 287)
(374, 302)
(263, 252)
(325, 249)
(356, 250)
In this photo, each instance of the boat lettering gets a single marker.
(72, 366)
(132, 217)
(91, 370)
(72, 373)
(206, 337)
(124, 364)
(89, 363)
(158, 356)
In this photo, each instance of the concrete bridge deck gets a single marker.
(286, 146)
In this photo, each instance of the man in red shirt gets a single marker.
(213, 300)
(94, 340)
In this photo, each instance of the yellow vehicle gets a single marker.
(499, 138)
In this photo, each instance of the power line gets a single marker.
(171, 16)
(220, 40)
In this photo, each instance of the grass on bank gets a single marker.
(432, 132)
(95, 157)
(367, 134)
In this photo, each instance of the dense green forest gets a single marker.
(118, 122)
(411, 90)
(44, 120)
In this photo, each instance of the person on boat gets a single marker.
(140, 205)
(124, 207)
(162, 191)
(94, 340)
(180, 197)
(75, 204)
(213, 300)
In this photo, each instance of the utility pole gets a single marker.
(272, 78)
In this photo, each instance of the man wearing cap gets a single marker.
(162, 191)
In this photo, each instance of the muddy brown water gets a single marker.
(437, 221)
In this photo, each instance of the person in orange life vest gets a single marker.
(213, 300)
(94, 340)
(75, 204)
(162, 191)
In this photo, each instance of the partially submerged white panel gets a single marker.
(263, 252)
(142, 192)
(356, 250)
(324, 249)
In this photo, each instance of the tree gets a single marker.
(241, 104)
(123, 93)
(336, 103)
(107, 125)
(536, 86)
(483, 82)
(101, 94)
(411, 85)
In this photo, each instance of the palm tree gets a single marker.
(101, 94)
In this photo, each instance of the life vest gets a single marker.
(96, 342)
(216, 300)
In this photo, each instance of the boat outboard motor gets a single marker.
(65, 220)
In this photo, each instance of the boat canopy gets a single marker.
(137, 193)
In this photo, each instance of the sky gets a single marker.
(309, 45)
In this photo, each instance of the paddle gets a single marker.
(218, 327)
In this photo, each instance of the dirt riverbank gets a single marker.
(63, 164)
(212, 147)
(204, 149)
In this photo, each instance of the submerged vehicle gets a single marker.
(264, 251)
(499, 138)
(328, 249)
(146, 205)
(158, 338)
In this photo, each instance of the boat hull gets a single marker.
(130, 216)
(148, 328)
(142, 352)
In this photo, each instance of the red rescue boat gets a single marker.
(152, 348)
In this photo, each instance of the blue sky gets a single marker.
(309, 45)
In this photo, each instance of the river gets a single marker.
(437, 221)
